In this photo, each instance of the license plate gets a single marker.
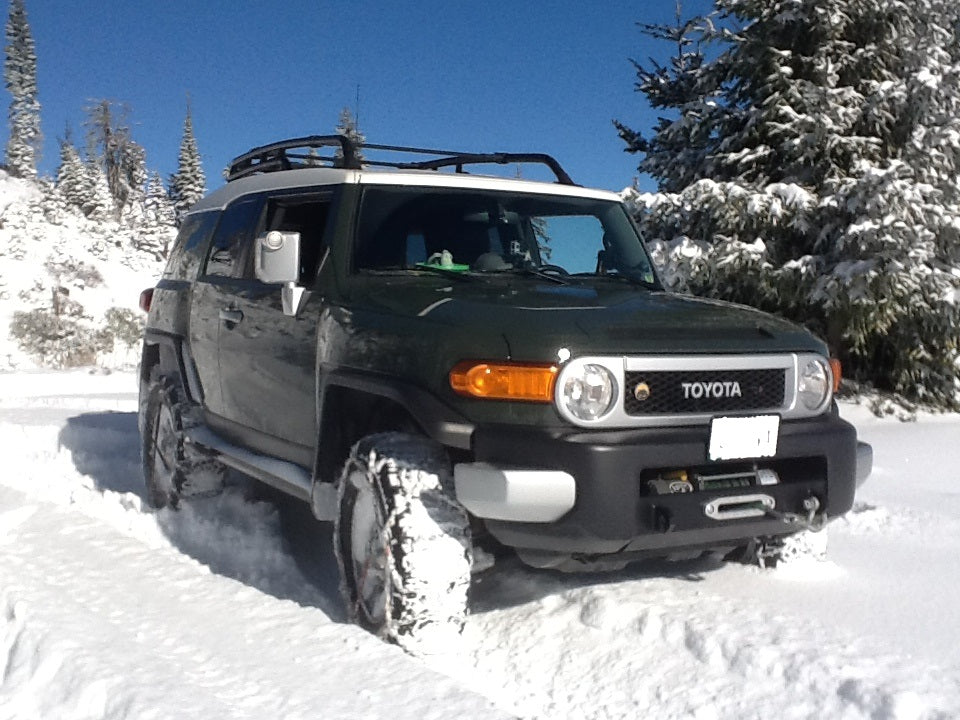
(740, 438)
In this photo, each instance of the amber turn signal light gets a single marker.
(837, 373)
(530, 382)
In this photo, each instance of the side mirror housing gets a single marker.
(277, 257)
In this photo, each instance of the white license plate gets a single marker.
(737, 438)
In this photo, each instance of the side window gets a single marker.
(232, 236)
(184, 260)
(307, 216)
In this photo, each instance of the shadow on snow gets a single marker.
(249, 533)
(511, 583)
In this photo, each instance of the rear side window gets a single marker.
(232, 237)
(187, 253)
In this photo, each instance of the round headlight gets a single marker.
(813, 385)
(588, 392)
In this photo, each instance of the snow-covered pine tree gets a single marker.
(122, 159)
(72, 175)
(827, 188)
(347, 125)
(157, 202)
(188, 184)
(157, 225)
(20, 80)
(677, 147)
(98, 203)
(132, 178)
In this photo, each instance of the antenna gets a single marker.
(356, 108)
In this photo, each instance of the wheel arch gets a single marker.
(171, 354)
(354, 405)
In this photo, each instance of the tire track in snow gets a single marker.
(10, 520)
(94, 614)
(39, 678)
(202, 612)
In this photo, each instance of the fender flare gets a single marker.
(172, 353)
(438, 420)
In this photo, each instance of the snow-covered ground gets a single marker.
(229, 608)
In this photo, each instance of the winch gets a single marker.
(683, 481)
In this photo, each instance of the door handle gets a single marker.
(231, 316)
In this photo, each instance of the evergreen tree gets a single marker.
(20, 79)
(347, 126)
(157, 204)
(122, 159)
(157, 226)
(132, 178)
(98, 202)
(826, 184)
(72, 175)
(677, 146)
(188, 184)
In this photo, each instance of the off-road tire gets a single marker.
(172, 468)
(403, 542)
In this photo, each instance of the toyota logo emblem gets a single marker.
(641, 392)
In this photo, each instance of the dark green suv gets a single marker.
(446, 365)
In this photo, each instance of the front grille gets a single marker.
(708, 391)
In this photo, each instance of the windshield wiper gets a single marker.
(435, 269)
(629, 277)
(533, 271)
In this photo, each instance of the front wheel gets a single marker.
(403, 542)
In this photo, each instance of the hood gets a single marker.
(589, 317)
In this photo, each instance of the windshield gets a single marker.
(488, 232)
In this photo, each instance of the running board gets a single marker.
(284, 476)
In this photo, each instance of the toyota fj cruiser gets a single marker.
(437, 361)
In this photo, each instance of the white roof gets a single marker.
(318, 177)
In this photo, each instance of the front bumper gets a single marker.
(612, 511)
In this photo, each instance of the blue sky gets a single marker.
(475, 76)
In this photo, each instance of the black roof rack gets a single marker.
(278, 156)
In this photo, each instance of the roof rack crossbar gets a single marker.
(459, 160)
(273, 157)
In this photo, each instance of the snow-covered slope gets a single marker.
(229, 608)
(47, 247)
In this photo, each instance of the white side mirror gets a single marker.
(277, 257)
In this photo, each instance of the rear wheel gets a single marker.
(172, 468)
(403, 542)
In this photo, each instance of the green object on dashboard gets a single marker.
(454, 267)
